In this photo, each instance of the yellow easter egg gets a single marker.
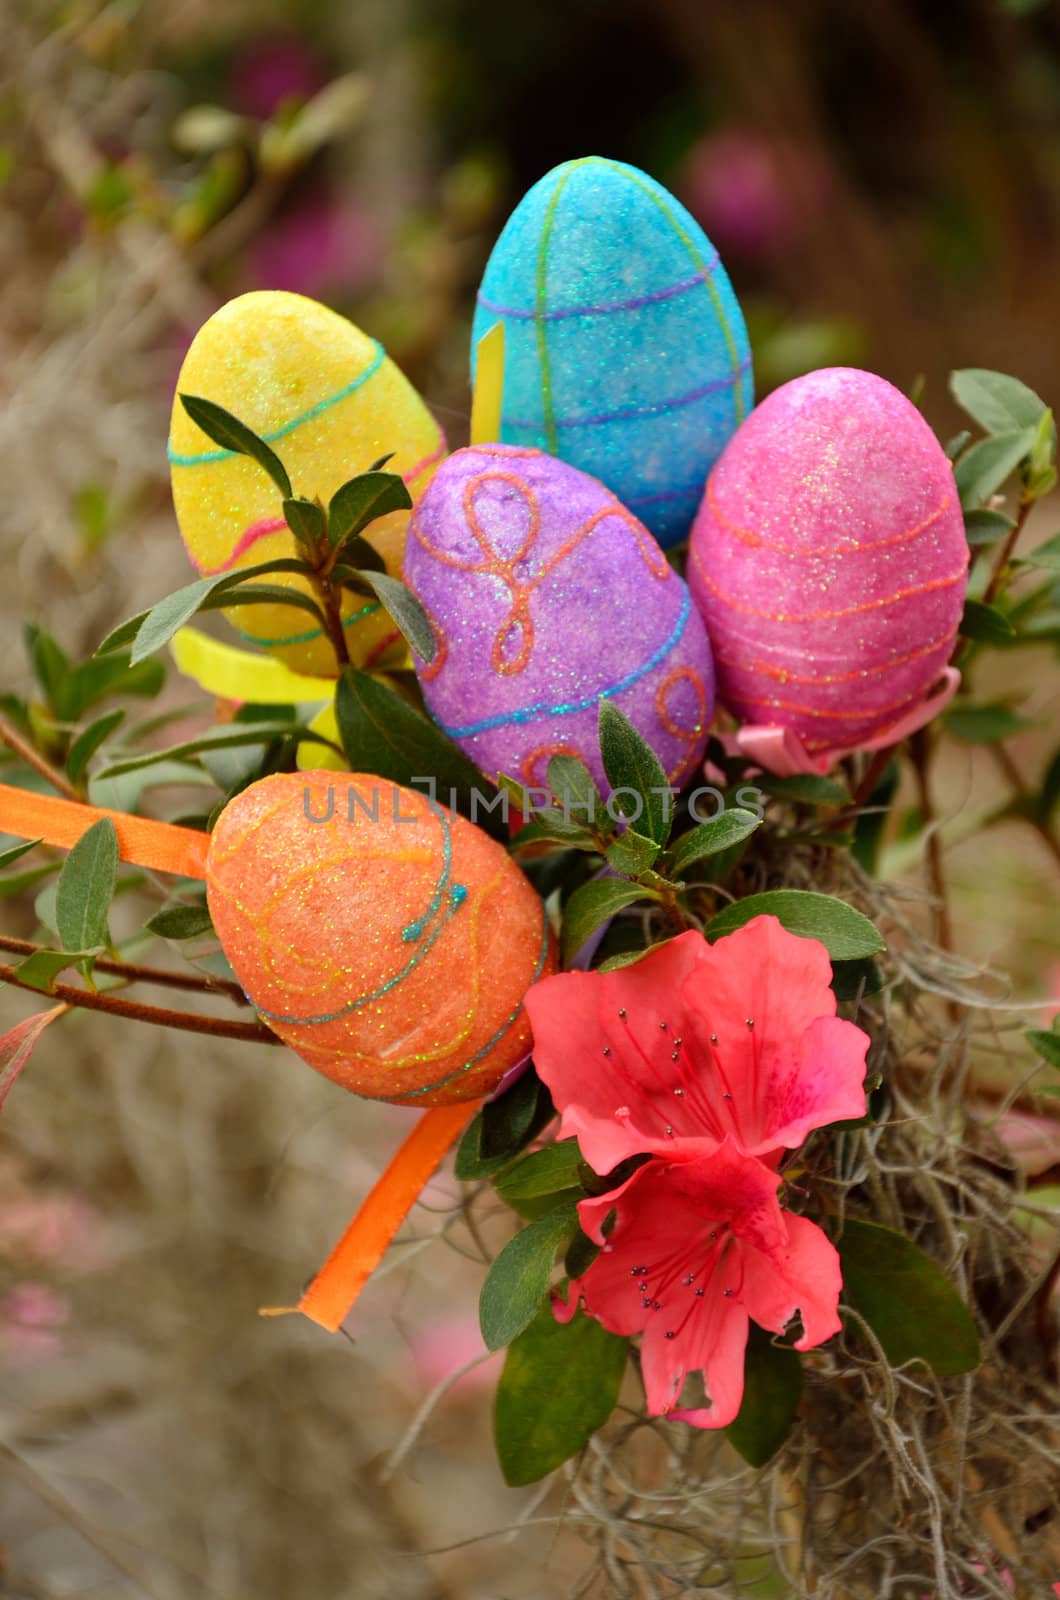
(387, 941)
(330, 402)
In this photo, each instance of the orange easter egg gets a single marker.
(386, 941)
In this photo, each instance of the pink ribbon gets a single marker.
(781, 751)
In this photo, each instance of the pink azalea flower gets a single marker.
(710, 1060)
(698, 1248)
(699, 1043)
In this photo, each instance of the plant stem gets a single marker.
(133, 1011)
(132, 973)
(920, 750)
(1015, 778)
(331, 605)
(1005, 553)
(33, 758)
(873, 773)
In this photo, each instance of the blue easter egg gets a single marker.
(626, 353)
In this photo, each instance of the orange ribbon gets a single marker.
(161, 846)
(164, 847)
(332, 1294)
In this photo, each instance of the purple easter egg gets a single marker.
(546, 595)
(830, 561)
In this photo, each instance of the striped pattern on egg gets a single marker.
(830, 561)
(387, 942)
(626, 353)
(330, 402)
(546, 595)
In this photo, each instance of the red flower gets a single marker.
(711, 1060)
(698, 1043)
(698, 1248)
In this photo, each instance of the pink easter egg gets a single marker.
(829, 560)
(547, 595)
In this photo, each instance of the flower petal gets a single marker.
(604, 1045)
(776, 1048)
(807, 1280)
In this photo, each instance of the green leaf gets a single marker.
(306, 520)
(520, 1276)
(551, 827)
(16, 851)
(263, 594)
(358, 556)
(157, 626)
(984, 724)
(180, 922)
(631, 854)
(731, 828)
(771, 1395)
(231, 434)
(805, 788)
(358, 502)
(383, 734)
(1045, 1044)
(994, 400)
(510, 1121)
(632, 765)
(86, 888)
(911, 1306)
(986, 624)
(572, 785)
(19, 882)
(852, 980)
(546, 1171)
(1045, 555)
(560, 1383)
(101, 676)
(406, 611)
(982, 471)
(49, 662)
(844, 932)
(503, 1128)
(984, 527)
(226, 736)
(592, 904)
(88, 742)
(40, 970)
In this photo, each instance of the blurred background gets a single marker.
(883, 183)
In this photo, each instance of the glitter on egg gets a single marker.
(545, 594)
(330, 402)
(830, 561)
(626, 351)
(352, 945)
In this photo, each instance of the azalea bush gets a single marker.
(780, 1303)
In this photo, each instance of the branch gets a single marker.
(132, 1011)
(132, 973)
(33, 758)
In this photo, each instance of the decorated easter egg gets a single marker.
(546, 595)
(830, 560)
(330, 402)
(385, 940)
(625, 349)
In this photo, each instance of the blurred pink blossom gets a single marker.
(1033, 1142)
(447, 1344)
(31, 1316)
(271, 71)
(54, 1228)
(314, 247)
(753, 195)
